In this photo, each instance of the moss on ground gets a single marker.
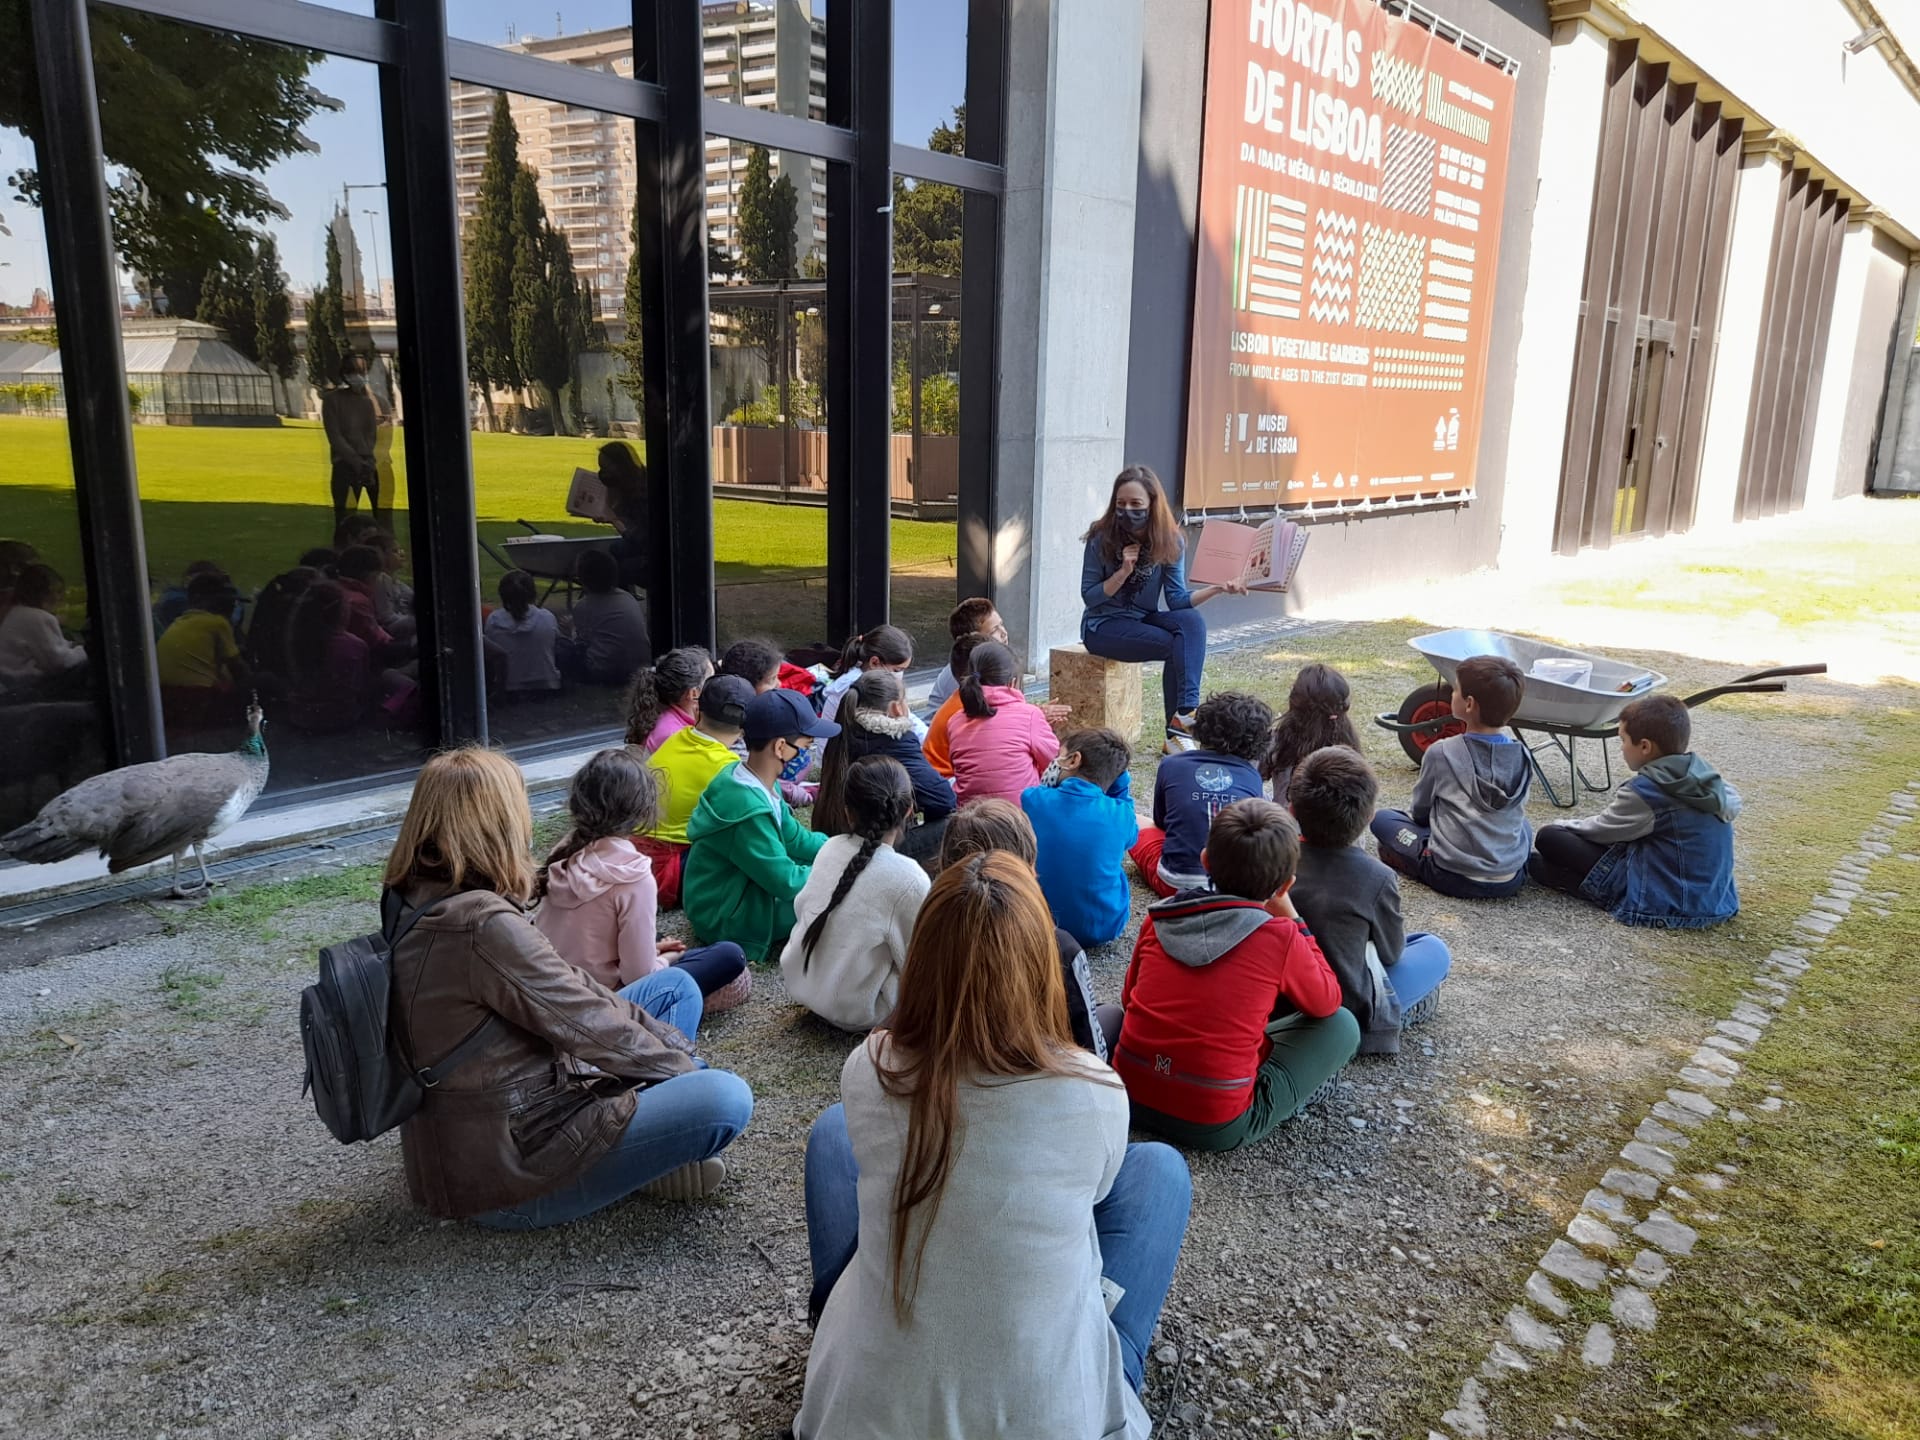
(1799, 1313)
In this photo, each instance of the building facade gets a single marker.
(765, 54)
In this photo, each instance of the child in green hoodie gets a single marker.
(749, 856)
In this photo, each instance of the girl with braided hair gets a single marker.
(853, 920)
(599, 901)
(664, 697)
(873, 720)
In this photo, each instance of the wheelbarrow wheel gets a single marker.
(1429, 702)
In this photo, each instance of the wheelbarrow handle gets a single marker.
(1390, 720)
(1736, 688)
(1819, 667)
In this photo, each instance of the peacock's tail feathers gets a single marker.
(38, 843)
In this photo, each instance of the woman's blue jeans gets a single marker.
(1178, 637)
(1141, 1223)
(675, 1122)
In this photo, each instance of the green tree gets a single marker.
(488, 256)
(631, 348)
(194, 117)
(327, 323)
(928, 218)
(549, 318)
(768, 211)
(765, 218)
(272, 313)
(226, 301)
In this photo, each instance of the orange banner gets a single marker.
(1352, 169)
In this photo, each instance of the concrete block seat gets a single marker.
(1101, 691)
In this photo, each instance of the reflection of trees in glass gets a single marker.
(188, 113)
(486, 257)
(528, 316)
(327, 323)
(927, 218)
(768, 210)
(631, 349)
(249, 302)
(549, 327)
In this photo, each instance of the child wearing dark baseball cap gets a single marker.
(749, 856)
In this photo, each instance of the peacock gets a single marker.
(138, 814)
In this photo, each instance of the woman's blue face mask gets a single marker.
(1133, 517)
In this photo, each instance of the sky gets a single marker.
(929, 75)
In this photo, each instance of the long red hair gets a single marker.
(980, 995)
(1159, 542)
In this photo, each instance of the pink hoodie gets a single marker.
(600, 912)
(672, 720)
(1002, 755)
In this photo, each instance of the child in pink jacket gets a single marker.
(597, 896)
(999, 742)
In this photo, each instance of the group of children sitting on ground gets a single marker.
(1277, 948)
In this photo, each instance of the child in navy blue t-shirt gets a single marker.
(1196, 785)
(1085, 826)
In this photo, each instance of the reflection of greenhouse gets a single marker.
(770, 354)
(184, 373)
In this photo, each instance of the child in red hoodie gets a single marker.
(1231, 1018)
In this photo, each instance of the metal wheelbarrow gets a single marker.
(1576, 697)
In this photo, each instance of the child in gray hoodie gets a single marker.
(1467, 835)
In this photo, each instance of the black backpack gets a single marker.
(362, 1080)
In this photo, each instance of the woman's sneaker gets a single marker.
(1180, 735)
(690, 1182)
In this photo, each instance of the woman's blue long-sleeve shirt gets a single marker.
(1140, 596)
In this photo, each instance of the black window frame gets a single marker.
(665, 99)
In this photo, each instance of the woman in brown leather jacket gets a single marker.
(578, 1095)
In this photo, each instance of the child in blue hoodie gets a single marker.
(1661, 853)
(1085, 825)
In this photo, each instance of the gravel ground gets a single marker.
(185, 1251)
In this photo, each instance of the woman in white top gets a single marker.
(987, 1248)
(854, 917)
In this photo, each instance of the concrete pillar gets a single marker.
(1897, 470)
(1072, 159)
(1550, 314)
(1831, 412)
(1756, 204)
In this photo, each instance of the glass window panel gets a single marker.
(768, 331)
(927, 224)
(580, 33)
(555, 388)
(52, 734)
(251, 489)
(767, 54)
(930, 73)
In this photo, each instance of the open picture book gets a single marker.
(1264, 556)
(587, 497)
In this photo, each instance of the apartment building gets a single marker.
(769, 54)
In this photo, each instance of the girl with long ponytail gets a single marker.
(874, 720)
(1000, 743)
(853, 919)
(665, 696)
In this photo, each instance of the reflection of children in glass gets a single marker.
(33, 648)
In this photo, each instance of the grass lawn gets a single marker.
(253, 499)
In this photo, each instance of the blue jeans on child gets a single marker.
(1141, 1224)
(675, 1122)
(1179, 637)
(1403, 847)
(1424, 962)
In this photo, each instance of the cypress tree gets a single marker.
(327, 323)
(488, 256)
(272, 312)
